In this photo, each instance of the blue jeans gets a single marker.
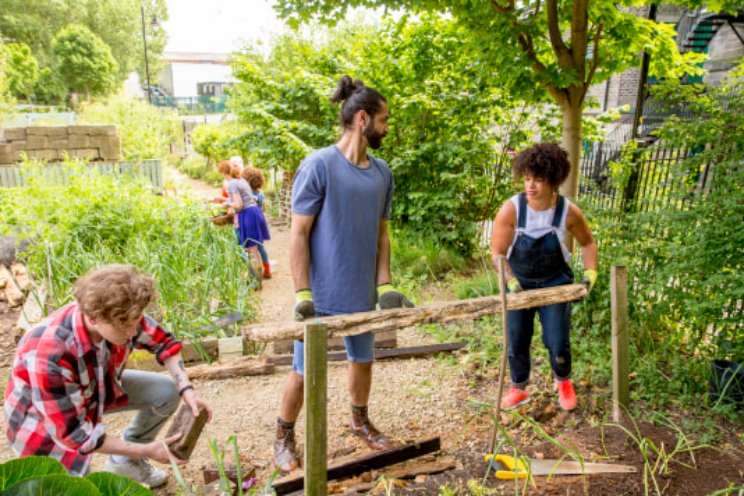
(556, 325)
(155, 398)
(359, 348)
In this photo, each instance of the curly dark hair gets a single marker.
(254, 177)
(544, 160)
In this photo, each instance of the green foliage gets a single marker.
(21, 70)
(197, 168)
(146, 132)
(93, 219)
(218, 142)
(415, 258)
(117, 22)
(49, 89)
(34, 475)
(450, 126)
(84, 61)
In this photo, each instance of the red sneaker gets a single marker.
(566, 394)
(514, 397)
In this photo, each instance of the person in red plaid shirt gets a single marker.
(70, 370)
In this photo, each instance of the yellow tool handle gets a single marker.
(515, 469)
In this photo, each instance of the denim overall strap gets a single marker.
(522, 217)
(559, 205)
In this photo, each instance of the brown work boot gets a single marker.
(363, 429)
(285, 448)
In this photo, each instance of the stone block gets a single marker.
(60, 144)
(50, 131)
(110, 152)
(87, 153)
(230, 348)
(36, 142)
(18, 148)
(15, 133)
(46, 154)
(78, 141)
(93, 129)
(6, 153)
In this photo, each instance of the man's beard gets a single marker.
(374, 138)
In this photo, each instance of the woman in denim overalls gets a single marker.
(529, 230)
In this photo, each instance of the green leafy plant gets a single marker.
(146, 132)
(93, 219)
(35, 475)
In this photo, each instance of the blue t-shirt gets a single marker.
(348, 204)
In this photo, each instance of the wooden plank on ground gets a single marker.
(236, 367)
(436, 313)
(370, 461)
(382, 354)
(424, 468)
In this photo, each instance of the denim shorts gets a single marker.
(359, 348)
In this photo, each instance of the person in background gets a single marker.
(529, 230)
(252, 227)
(256, 180)
(70, 370)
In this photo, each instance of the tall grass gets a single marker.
(93, 219)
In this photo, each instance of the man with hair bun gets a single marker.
(340, 253)
(70, 369)
(529, 231)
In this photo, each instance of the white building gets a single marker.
(186, 70)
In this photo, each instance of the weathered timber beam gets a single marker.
(381, 354)
(231, 368)
(370, 461)
(436, 313)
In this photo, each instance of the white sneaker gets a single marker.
(138, 469)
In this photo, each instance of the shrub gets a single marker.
(94, 219)
(146, 131)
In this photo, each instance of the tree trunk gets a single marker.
(285, 196)
(572, 144)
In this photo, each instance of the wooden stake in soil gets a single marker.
(316, 378)
(620, 360)
(504, 355)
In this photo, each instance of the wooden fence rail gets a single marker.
(438, 313)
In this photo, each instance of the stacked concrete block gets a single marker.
(91, 142)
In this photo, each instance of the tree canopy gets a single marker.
(84, 61)
(451, 125)
(117, 22)
(21, 70)
(560, 47)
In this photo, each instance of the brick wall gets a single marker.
(51, 143)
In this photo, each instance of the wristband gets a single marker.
(185, 388)
(384, 288)
(304, 295)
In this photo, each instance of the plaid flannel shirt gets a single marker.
(58, 390)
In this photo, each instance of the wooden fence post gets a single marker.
(316, 440)
(620, 359)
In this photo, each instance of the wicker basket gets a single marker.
(222, 220)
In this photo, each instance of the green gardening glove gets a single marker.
(388, 297)
(513, 285)
(590, 277)
(304, 307)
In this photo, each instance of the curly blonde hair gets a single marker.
(117, 294)
(254, 177)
